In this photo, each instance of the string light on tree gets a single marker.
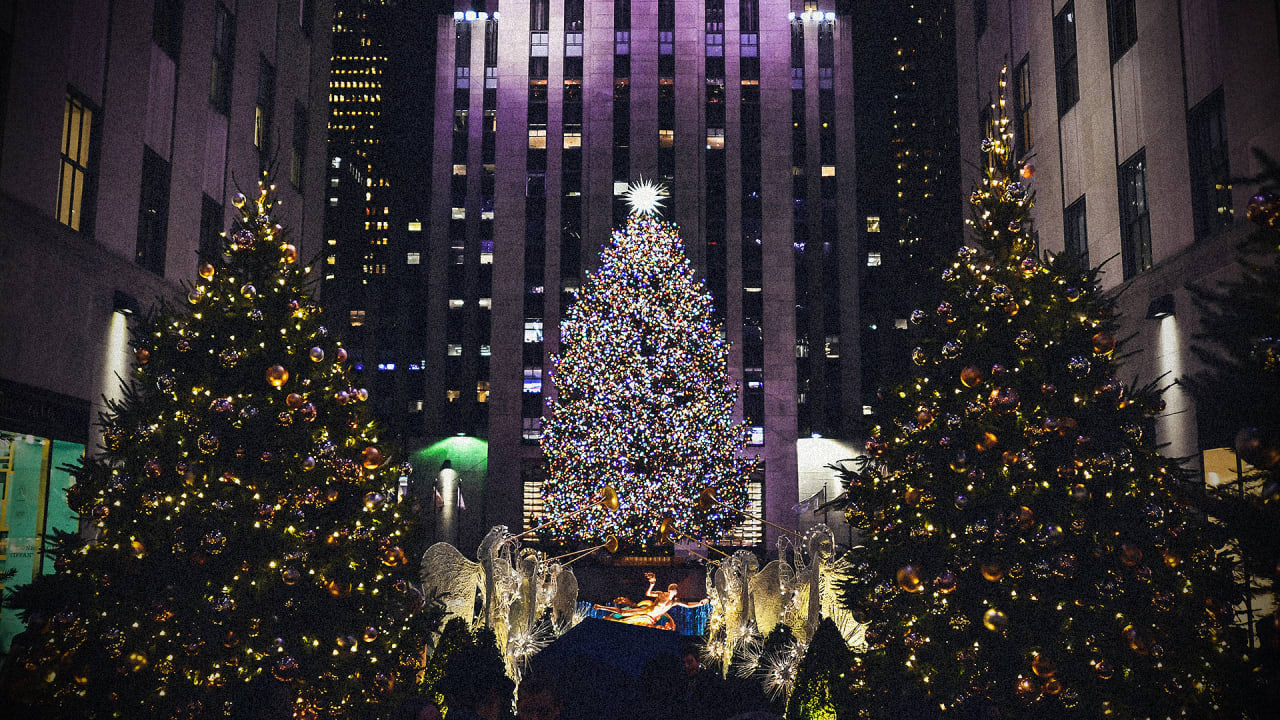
(644, 402)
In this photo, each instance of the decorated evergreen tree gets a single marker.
(822, 687)
(1026, 547)
(1239, 390)
(246, 519)
(456, 635)
(644, 402)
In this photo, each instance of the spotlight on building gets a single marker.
(125, 304)
(1161, 307)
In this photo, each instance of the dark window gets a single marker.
(153, 212)
(166, 26)
(1122, 26)
(749, 16)
(224, 48)
(539, 12)
(6, 65)
(306, 15)
(979, 18)
(1135, 219)
(573, 15)
(1210, 167)
(264, 108)
(210, 228)
(1064, 56)
(1075, 229)
(621, 14)
(77, 180)
(666, 14)
(1023, 138)
(298, 158)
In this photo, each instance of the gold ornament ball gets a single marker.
(338, 588)
(290, 253)
(138, 661)
(1104, 670)
(987, 441)
(308, 463)
(142, 355)
(394, 556)
(909, 579)
(277, 375)
(195, 296)
(291, 576)
(332, 494)
(946, 582)
(1104, 343)
(371, 458)
(1043, 666)
(971, 376)
(994, 620)
(370, 633)
(316, 354)
(992, 571)
(912, 496)
(293, 400)
(206, 271)
(1028, 171)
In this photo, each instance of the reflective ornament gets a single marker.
(970, 376)
(142, 355)
(316, 354)
(945, 312)
(1104, 670)
(372, 498)
(918, 356)
(285, 418)
(1072, 294)
(286, 669)
(946, 582)
(239, 200)
(370, 633)
(228, 358)
(371, 458)
(962, 502)
(206, 271)
(1042, 666)
(153, 469)
(243, 240)
(987, 145)
(1016, 192)
(307, 412)
(1079, 492)
(308, 463)
(208, 443)
(986, 441)
(184, 345)
(342, 355)
(289, 253)
(248, 291)
(293, 400)
(213, 542)
(994, 620)
(393, 556)
(1015, 226)
(1004, 399)
(1028, 171)
(917, 317)
(1079, 366)
(1025, 340)
(1130, 555)
(338, 588)
(951, 349)
(195, 296)
(291, 576)
(1029, 266)
(1001, 294)
(909, 579)
(1104, 343)
(138, 661)
(277, 375)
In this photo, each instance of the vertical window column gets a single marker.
(1135, 219)
(829, 231)
(667, 92)
(752, 238)
(717, 279)
(153, 212)
(77, 179)
(800, 230)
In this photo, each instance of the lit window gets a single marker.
(533, 379)
(873, 259)
(620, 187)
(452, 395)
(757, 436)
(482, 391)
(460, 169)
(900, 324)
(357, 318)
(537, 138)
(866, 409)
(715, 138)
(459, 213)
(873, 223)
(413, 258)
(532, 429)
(77, 178)
(828, 171)
(572, 140)
(486, 350)
(415, 226)
(454, 350)
(533, 330)
(833, 346)
(456, 302)
(666, 138)
(485, 303)
(331, 260)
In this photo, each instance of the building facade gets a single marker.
(1137, 116)
(124, 130)
(545, 111)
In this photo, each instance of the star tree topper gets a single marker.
(645, 197)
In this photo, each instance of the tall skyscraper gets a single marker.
(545, 111)
(908, 172)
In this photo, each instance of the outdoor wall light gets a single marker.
(1161, 307)
(125, 304)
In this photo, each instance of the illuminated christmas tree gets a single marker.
(644, 401)
(246, 519)
(1026, 547)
